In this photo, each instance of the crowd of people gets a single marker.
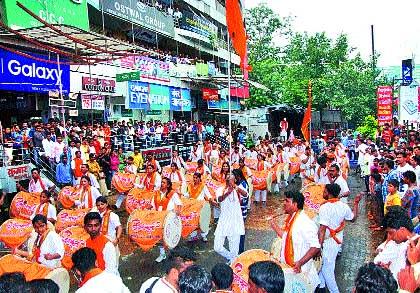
(388, 166)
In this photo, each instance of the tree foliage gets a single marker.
(341, 79)
(368, 127)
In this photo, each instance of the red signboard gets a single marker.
(210, 94)
(384, 95)
(98, 84)
(160, 154)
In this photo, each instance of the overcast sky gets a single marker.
(396, 23)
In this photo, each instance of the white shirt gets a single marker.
(114, 223)
(173, 202)
(230, 221)
(110, 257)
(85, 204)
(52, 244)
(48, 146)
(332, 215)
(93, 181)
(361, 149)
(343, 187)
(304, 236)
(323, 175)
(394, 253)
(58, 151)
(51, 213)
(36, 186)
(417, 171)
(178, 161)
(161, 286)
(400, 170)
(197, 155)
(158, 182)
(105, 283)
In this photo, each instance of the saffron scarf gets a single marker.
(105, 222)
(44, 210)
(89, 275)
(83, 197)
(195, 191)
(289, 255)
(163, 201)
(149, 182)
(36, 250)
(260, 166)
(334, 232)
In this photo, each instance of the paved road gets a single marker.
(136, 266)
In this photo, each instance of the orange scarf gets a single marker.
(244, 172)
(260, 166)
(289, 255)
(83, 197)
(89, 275)
(105, 222)
(195, 191)
(44, 210)
(149, 182)
(178, 173)
(98, 245)
(163, 202)
(36, 250)
(334, 232)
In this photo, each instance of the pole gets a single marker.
(310, 101)
(229, 101)
(60, 84)
(372, 35)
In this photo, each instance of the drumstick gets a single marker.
(272, 217)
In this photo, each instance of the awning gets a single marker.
(222, 81)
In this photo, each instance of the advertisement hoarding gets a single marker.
(408, 105)
(384, 97)
(19, 73)
(69, 12)
(180, 99)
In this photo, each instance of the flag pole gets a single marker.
(229, 101)
(310, 121)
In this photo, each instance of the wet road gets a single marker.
(137, 266)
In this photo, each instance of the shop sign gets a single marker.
(69, 12)
(18, 173)
(138, 95)
(148, 68)
(180, 99)
(408, 104)
(93, 102)
(135, 75)
(98, 84)
(210, 94)
(161, 154)
(141, 14)
(153, 112)
(159, 97)
(198, 24)
(23, 74)
(384, 96)
(73, 113)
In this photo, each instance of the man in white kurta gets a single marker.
(52, 244)
(332, 217)
(38, 184)
(231, 223)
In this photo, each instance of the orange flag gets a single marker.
(306, 123)
(236, 28)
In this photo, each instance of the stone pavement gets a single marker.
(137, 266)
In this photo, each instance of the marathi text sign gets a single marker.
(198, 24)
(210, 94)
(180, 99)
(148, 68)
(141, 14)
(93, 102)
(384, 95)
(18, 173)
(135, 75)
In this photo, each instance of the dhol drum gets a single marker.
(261, 180)
(138, 199)
(194, 214)
(24, 204)
(276, 251)
(294, 165)
(190, 167)
(313, 194)
(69, 218)
(32, 270)
(15, 232)
(213, 185)
(73, 239)
(293, 282)
(146, 228)
(123, 182)
(68, 195)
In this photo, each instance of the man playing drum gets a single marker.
(166, 200)
(332, 216)
(103, 247)
(47, 246)
(300, 242)
(92, 278)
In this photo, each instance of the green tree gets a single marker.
(368, 127)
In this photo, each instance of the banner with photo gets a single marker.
(149, 68)
(198, 24)
(408, 104)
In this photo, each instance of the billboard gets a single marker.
(408, 105)
(141, 14)
(384, 96)
(148, 68)
(69, 12)
(180, 99)
(24, 74)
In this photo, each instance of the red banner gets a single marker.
(384, 95)
(210, 94)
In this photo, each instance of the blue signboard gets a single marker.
(138, 95)
(19, 73)
(180, 99)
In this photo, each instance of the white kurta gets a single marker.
(161, 286)
(173, 202)
(395, 254)
(51, 213)
(105, 283)
(304, 236)
(204, 194)
(37, 187)
(93, 181)
(114, 223)
(85, 204)
(230, 221)
(52, 244)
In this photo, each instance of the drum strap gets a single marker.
(44, 210)
(288, 249)
(194, 192)
(36, 250)
(83, 196)
(334, 232)
(98, 245)
(149, 290)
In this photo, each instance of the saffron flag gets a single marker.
(236, 28)
(306, 122)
